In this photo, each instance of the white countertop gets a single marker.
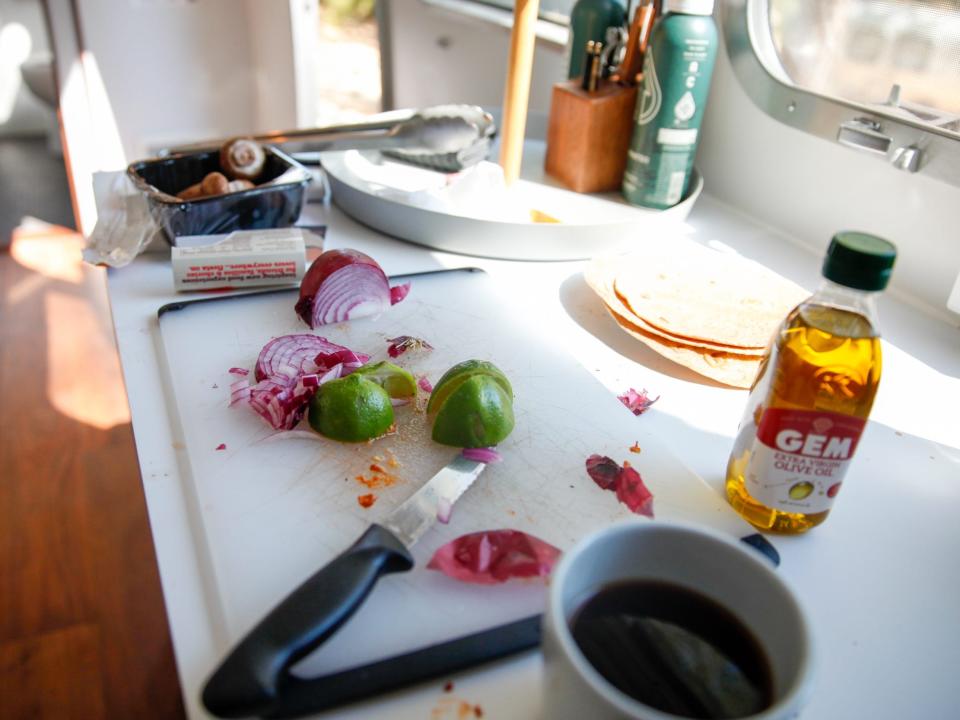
(879, 579)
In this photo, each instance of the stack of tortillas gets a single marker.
(709, 311)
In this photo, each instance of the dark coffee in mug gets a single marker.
(674, 649)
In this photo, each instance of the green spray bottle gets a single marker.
(589, 20)
(670, 105)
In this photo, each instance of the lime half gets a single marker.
(477, 413)
(460, 373)
(351, 409)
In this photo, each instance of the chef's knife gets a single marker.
(252, 677)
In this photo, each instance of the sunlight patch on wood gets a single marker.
(83, 370)
(50, 250)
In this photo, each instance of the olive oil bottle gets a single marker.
(813, 393)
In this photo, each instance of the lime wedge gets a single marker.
(351, 409)
(398, 383)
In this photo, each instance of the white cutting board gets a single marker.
(268, 512)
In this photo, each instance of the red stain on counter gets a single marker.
(448, 708)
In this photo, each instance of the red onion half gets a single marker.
(343, 285)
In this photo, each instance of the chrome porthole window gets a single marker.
(879, 76)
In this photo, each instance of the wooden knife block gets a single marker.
(589, 134)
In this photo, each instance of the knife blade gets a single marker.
(417, 514)
(251, 678)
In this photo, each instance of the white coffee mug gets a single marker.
(723, 569)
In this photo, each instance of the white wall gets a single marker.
(439, 56)
(139, 75)
(174, 72)
(21, 114)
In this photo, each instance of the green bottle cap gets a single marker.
(860, 261)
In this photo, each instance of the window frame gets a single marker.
(749, 45)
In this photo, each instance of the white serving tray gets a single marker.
(591, 224)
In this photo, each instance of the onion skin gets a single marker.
(320, 271)
(491, 557)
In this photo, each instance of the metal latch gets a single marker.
(864, 134)
(907, 158)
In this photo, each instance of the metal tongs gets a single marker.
(444, 137)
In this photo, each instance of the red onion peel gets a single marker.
(625, 481)
(484, 455)
(491, 557)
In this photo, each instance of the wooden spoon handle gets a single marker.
(517, 92)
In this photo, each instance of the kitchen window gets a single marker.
(880, 76)
(903, 55)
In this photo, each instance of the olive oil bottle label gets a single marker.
(799, 458)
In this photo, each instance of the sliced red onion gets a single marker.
(222, 446)
(243, 372)
(399, 292)
(348, 358)
(343, 285)
(625, 481)
(494, 556)
(288, 372)
(399, 345)
(484, 455)
(333, 373)
(280, 402)
(295, 355)
(239, 391)
(424, 384)
(637, 402)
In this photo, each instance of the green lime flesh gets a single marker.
(478, 413)
(398, 383)
(351, 409)
(460, 373)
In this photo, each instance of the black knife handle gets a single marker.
(249, 681)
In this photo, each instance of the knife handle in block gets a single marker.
(251, 678)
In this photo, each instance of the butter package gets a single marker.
(246, 258)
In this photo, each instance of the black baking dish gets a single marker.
(275, 202)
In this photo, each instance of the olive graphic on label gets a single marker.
(800, 490)
(834, 489)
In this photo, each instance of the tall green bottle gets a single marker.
(673, 96)
(589, 20)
